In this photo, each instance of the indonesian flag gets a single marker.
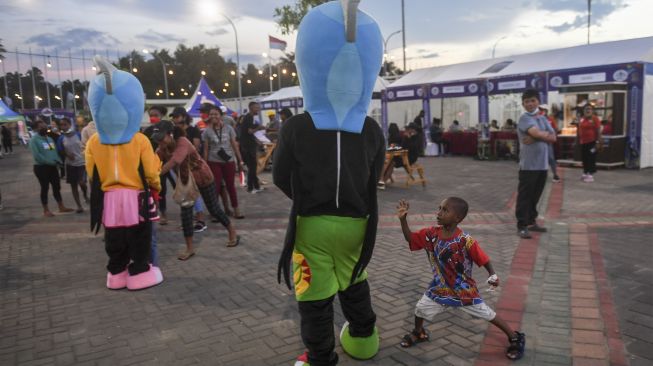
(277, 44)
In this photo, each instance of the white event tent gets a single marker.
(617, 77)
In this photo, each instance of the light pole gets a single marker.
(403, 33)
(589, 18)
(4, 78)
(385, 50)
(165, 72)
(240, 90)
(496, 43)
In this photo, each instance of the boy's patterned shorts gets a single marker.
(428, 309)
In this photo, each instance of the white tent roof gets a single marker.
(296, 92)
(607, 53)
(284, 93)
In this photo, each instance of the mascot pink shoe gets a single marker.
(145, 280)
(117, 281)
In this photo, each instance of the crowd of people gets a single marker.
(208, 154)
(201, 161)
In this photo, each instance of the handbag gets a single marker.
(186, 194)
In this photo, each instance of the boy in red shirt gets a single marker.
(452, 253)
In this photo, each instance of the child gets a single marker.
(451, 252)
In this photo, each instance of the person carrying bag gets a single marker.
(194, 178)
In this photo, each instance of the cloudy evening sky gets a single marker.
(438, 32)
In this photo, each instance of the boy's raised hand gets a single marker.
(402, 209)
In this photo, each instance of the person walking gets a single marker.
(249, 146)
(6, 140)
(589, 138)
(222, 153)
(181, 155)
(535, 134)
(70, 145)
(46, 160)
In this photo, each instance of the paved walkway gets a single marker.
(582, 292)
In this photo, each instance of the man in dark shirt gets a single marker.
(249, 146)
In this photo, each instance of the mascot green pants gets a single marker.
(322, 269)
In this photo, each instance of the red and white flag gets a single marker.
(277, 44)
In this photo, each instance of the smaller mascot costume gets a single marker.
(125, 180)
(327, 161)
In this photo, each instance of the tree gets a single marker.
(288, 17)
(2, 50)
(391, 68)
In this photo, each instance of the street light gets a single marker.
(203, 72)
(496, 43)
(385, 50)
(165, 73)
(240, 91)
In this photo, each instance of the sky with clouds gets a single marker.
(438, 32)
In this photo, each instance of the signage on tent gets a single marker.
(597, 77)
(620, 75)
(509, 85)
(47, 112)
(453, 89)
(405, 93)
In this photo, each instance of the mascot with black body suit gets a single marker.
(328, 161)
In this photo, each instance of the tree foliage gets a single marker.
(288, 16)
(2, 50)
(184, 68)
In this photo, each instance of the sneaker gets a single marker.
(524, 234)
(257, 190)
(302, 360)
(199, 227)
(537, 228)
(556, 179)
(588, 179)
(380, 185)
(582, 177)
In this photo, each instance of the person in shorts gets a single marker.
(452, 253)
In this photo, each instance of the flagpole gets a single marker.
(20, 81)
(270, 63)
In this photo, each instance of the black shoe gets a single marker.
(537, 228)
(524, 234)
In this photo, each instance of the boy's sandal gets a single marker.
(185, 255)
(517, 344)
(414, 338)
(235, 242)
(239, 217)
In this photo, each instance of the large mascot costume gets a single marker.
(125, 180)
(327, 161)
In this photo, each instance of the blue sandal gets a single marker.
(517, 345)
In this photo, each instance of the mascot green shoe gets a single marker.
(358, 347)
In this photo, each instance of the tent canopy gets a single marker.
(597, 54)
(7, 115)
(202, 95)
(293, 92)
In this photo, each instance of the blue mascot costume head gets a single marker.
(338, 56)
(116, 100)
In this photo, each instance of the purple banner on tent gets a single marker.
(406, 93)
(516, 84)
(459, 89)
(633, 115)
(629, 73)
(56, 113)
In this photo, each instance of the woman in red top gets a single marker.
(589, 134)
(181, 155)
